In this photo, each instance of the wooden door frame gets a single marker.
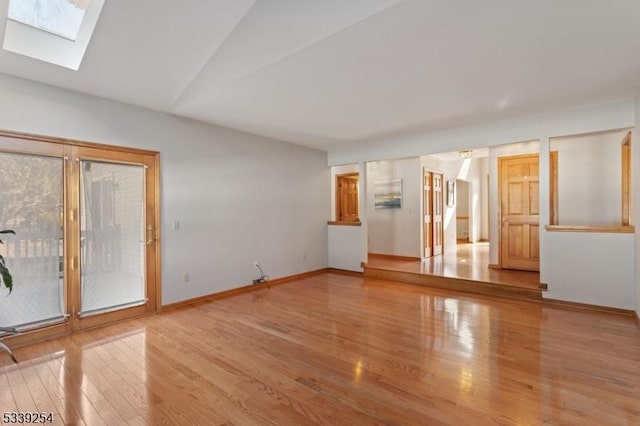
(431, 171)
(337, 192)
(28, 143)
(116, 157)
(426, 171)
(553, 196)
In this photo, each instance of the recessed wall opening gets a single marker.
(590, 183)
(345, 195)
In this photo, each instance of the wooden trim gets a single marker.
(338, 199)
(626, 179)
(70, 150)
(499, 189)
(454, 283)
(494, 266)
(394, 257)
(462, 217)
(342, 223)
(73, 142)
(629, 229)
(98, 320)
(556, 303)
(346, 272)
(158, 245)
(38, 335)
(553, 196)
(241, 290)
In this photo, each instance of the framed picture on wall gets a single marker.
(451, 193)
(387, 194)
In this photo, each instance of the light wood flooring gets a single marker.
(340, 350)
(469, 262)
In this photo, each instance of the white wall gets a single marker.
(580, 268)
(586, 119)
(237, 196)
(395, 231)
(586, 284)
(589, 174)
(347, 247)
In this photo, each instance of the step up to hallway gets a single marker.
(500, 289)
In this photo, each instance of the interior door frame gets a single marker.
(431, 172)
(500, 179)
(553, 196)
(351, 175)
(81, 153)
(28, 143)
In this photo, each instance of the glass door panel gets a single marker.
(31, 204)
(112, 236)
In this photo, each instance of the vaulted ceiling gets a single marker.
(318, 73)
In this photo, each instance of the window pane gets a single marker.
(112, 245)
(31, 205)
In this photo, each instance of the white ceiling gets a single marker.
(318, 73)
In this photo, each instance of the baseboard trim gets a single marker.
(345, 272)
(394, 257)
(556, 303)
(494, 266)
(637, 318)
(240, 290)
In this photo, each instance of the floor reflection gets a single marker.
(469, 261)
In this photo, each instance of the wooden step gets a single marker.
(459, 284)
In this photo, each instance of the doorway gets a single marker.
(433, 213)
(85, 251)
(518, 183)
(347, 197)
(463, 211)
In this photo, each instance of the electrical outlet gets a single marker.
(187, 277)
(176, 225)
(304, 257)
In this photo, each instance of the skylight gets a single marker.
(55, 31)
(60, 17)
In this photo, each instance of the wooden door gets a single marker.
(427, 212)
(438, 213)
(114, 236)
(433, 213)
(80, 252)
(347, 198)
(519, 212)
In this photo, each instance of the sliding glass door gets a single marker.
(116, 235)
(31, 197)
(84, 253)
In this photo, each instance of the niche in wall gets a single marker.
(590, 185)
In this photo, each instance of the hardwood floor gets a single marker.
(469, 261)
(336, 349)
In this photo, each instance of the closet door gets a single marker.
(427, 212)
(438, 213)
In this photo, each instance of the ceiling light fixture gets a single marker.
(466, 154)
